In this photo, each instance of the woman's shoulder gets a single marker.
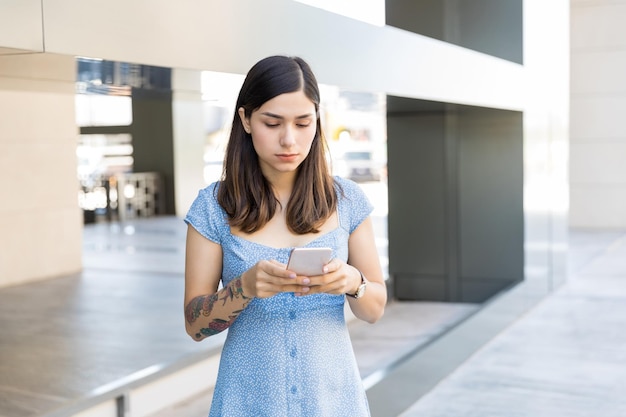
(354, 206)
(205, 214)
(206, 198)
(210, 191)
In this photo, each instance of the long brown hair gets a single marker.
(244, 193)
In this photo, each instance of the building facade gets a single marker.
(477, 93)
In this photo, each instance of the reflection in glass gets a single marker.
(102, 110)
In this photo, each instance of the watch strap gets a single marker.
(361, 290)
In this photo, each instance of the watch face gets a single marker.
(360, 291)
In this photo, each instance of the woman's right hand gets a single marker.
(268, 278)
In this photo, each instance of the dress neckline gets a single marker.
(285, 248)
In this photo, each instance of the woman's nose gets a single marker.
(288, 138)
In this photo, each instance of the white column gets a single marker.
(598, 131)
(546, 123)
(40, 220)
(189, 137)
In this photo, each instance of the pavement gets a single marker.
(70, 342)
(565, 358)
(66, 342)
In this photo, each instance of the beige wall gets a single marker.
(40, 222)
(20, 26)
(598, 105)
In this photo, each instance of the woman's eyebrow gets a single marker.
(276, 116)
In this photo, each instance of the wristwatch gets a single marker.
(361, 290)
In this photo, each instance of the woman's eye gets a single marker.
(271, 124)
(304, 125)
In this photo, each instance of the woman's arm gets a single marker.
(340, 277)
(363, 256)
(208, 311)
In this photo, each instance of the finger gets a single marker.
(278, 269)
(330, 287)
(293, 284)
(296, 289)
(332, 266)
(279, 285)
(303, 291)
(280, 264)
(317, 280)
(318, 290)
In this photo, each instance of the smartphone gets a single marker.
(309, 261)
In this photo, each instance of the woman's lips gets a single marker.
(287, 157)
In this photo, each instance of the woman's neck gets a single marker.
(282, 185)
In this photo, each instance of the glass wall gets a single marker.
(105, 148)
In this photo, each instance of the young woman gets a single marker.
(288, 351)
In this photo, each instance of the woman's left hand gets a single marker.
(338, 278)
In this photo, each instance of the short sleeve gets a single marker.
(354, 206)
(206, 215)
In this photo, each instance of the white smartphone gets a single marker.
(309, 261)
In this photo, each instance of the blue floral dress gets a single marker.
(285, 356)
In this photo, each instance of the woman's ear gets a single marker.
(245, 121)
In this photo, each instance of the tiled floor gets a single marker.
(67, 340)
(64, 339)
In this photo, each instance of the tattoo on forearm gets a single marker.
(203, 305)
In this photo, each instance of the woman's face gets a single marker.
(282, 130)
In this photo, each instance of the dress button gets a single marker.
(292, 315)
(293, 352)
(294, 390)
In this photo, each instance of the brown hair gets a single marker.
(244, 193)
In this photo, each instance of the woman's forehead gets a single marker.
(294, 104)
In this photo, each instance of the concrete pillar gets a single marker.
(456, 207)
(456, 217)
(40, 220)
(153, 144)
(598, 99)
(189, 137)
